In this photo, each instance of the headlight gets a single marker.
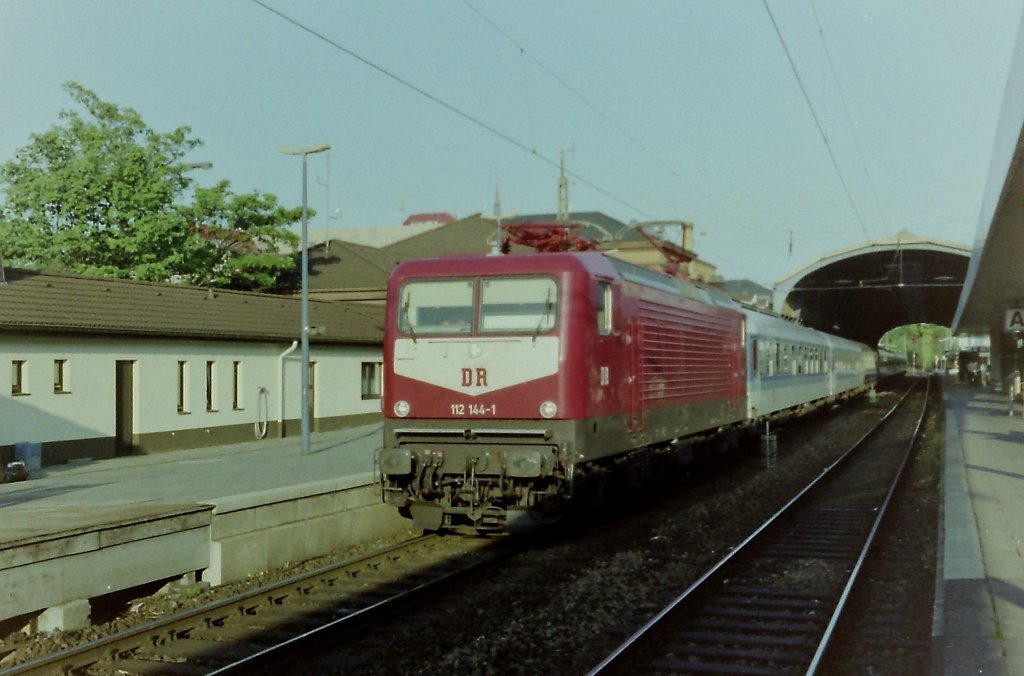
(401, 408)
(548, 409)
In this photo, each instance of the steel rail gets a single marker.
(743, 547)
(315, 638)
(819, 654)
(102, 646)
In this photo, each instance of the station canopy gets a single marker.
(863, 291)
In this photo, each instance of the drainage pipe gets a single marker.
(280, 388)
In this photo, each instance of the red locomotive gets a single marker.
(510, 381)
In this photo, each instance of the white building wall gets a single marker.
(40, 414)
(87, 410)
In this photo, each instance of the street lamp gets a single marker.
(305, 290)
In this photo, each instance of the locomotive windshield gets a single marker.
(527, 304)
(518, 305)
(436, 307)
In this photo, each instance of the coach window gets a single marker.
(518, 304)
(604, 308)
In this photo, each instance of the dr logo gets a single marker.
(468, 377)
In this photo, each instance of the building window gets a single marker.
(19, 377)
(182, 387)
(211, 386)
(371, 379)
(236, 386)
(60, 376)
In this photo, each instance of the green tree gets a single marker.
(239, 238)
(101, 194)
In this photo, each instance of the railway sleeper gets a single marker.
(795, 626)
(752, 654)
(753, 614)
(699, 667)
(707, 637)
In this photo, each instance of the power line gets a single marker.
(562, 81)
(447, 106)
(817, 122)
(849, 120)
(721, 211)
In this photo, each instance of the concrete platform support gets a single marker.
(70, 615)
(254, 533)
(58, 572)
(90, 551)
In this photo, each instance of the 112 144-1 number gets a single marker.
(474, 409)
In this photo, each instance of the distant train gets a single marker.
(891, 363)
(514, 384)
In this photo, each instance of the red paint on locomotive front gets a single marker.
(541, 367)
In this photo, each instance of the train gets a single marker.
(516, 385)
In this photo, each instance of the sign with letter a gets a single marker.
(1014, 320)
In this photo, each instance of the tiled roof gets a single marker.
(471, 235)
(339, 265)
(64, 303)
(343, 265)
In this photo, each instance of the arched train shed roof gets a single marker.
(863, 291)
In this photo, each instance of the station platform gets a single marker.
(978, 625)
(73, 532)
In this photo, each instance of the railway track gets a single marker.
(255, 631)
(771, 606)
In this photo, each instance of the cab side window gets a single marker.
(604, 308)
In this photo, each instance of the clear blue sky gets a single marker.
(683, 109)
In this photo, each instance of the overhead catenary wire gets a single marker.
(722, 212)
(849, 119)
(817, 121)
(508, 138)
(575, 92)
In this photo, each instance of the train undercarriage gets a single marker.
(502, 480)
(455, 484)
(482, 487)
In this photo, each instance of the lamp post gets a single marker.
(305, 152)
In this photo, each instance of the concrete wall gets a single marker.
(86, 560)
(254, 533)
(98, 550)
